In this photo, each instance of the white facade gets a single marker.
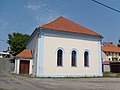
(106, 68)
(112, 56)
(104, 57)
(48, 42)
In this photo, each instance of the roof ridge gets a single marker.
(63, 24)
(51, 21)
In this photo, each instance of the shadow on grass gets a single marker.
(105, 75)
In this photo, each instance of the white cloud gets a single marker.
(32, 6)
(42, 12)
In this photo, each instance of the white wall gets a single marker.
(106, 68)
(50, 64)
(33, 45)
(17, 64)
(104, 57)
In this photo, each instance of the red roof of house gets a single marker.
(109, 62)
(110, 47)
(24, 54)
(105, 62)
(63, 24)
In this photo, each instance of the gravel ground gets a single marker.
(13, 82)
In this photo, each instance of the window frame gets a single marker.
(57, 57)
(88, 62)
(76, 62)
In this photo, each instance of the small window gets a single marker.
(59, 57)
(86, 59)
(73, 58)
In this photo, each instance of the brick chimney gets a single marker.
(118, 43)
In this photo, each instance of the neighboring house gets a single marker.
(5, 55)
(110, 57)
(23, 62)
(63, 48)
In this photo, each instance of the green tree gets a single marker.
(17, 42)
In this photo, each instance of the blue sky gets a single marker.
(24, 15)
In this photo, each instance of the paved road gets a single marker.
(11, 82)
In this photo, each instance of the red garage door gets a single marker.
(24, 67)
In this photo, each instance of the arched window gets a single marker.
(86, 59)
(73, 58)
(59, 57)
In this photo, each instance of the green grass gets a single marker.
(24, 75)
(111, 75)
(105, 75)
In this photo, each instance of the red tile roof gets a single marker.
(63, 24)
(110, 47)
(105, 62)
(109, 62)
(24, 54)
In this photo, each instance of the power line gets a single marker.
(3, 40)
(106, 6)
